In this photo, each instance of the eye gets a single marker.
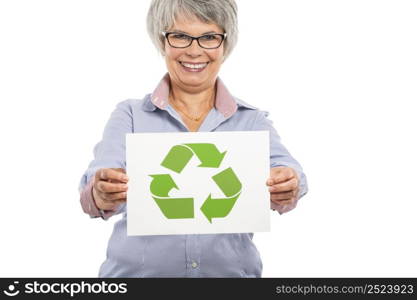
(180, 36)
(209, 37)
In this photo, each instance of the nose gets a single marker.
(194, 49)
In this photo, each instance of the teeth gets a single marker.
(194, 66)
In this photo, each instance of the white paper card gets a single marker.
(197, 182)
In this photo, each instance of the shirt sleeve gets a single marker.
(279, 155)
(110, 152)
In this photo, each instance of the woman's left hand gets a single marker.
(283, 186)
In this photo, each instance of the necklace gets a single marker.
(193, 118)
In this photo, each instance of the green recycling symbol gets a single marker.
(181, 208)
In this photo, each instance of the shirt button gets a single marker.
(194, 264)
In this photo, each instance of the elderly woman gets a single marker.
(194, 37)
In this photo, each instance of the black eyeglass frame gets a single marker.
(167, 33)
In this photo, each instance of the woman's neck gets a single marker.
(193, 102)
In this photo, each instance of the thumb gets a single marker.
(274, 173)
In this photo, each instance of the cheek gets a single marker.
(171, 54)
(217, 55)
(217, 59)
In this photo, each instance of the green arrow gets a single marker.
(218, 207)
(228, 182)
(162, 184)
(208, 154)
(177, 158)
(231, 187)
(176, 208)
(179, 155)
(172, 208)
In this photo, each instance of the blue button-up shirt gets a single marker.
(189, 255)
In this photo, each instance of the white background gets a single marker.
(338, 78)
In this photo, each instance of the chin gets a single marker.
(192, 79)
(193, 83)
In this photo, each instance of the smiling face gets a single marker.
(193, 69)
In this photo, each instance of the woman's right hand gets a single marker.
(110, 188)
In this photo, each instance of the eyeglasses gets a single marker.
(206, 41)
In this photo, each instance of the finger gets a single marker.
(283, 202)
(283, 195)
(111, 205)
(112, 197)
(107, 187)
(287, 186)
(113, 174)
(280, 174)
(120, 170)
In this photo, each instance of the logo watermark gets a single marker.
(11, 289)
(71, 289)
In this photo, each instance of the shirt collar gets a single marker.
(225, 103)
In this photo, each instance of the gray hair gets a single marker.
(162, 15)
